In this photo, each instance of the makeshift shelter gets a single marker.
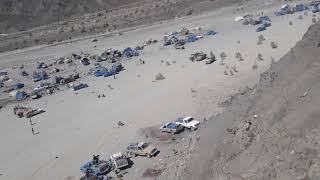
(24, 73)
(300, 7)
(18, 86)
(130, 52)
(13, 93)
(21, 95)
(191, 38)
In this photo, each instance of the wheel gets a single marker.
(193, 128)
(148, 155)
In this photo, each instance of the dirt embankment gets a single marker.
(270, 131)
(71, 19)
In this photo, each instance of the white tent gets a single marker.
(240, 18)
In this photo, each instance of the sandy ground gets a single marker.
(75, 126)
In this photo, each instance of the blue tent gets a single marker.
(211, 33)
(300, 7)
(129, 52)
(191, 38)
(21, 95)
(18, 86)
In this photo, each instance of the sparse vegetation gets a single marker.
(239, 56)
(223, 56)
(159, 77)
(273, 45)
(260, 39)
(234, 68)
(300, 17)
(290, 23)
(259, 57)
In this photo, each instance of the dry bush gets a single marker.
(290, 23)
(259, 57)
(314, 20)
(273, 45)
(239, 56)
(255, 65)
(234, 68)
(300, 17)
(260, 39)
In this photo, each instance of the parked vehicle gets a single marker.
(171, 127)
(141, 149)
(188, 122)
(119, 161)
(199, 56)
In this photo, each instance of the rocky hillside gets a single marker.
(18, 15)
(271, 131)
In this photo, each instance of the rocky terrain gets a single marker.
(272, 130)
(66, 20)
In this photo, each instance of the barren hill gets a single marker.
(270, 131)
(18, 15)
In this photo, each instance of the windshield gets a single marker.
(145, 145)
(189, 120)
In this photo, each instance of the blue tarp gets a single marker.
(18, 86)
(191, 38)
(264, 19)
(210, 33)
(172, 126)
(300, 7)
(21, 95)
(130, 52)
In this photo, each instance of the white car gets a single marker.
(188, 122)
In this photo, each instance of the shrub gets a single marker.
(273, 45)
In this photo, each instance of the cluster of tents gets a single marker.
(286, 9)
(99, 71)
(184, 37)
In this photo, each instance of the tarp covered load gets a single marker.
(103, 71)
(21, 95)
(95, 169)
(130, 52)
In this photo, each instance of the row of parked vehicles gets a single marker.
(117, 162)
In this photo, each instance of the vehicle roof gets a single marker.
(188, 117)
(117, 155)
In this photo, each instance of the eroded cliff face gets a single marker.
(271, 131)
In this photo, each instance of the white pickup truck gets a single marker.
(188, 122)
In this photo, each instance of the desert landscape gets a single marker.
(246, 70)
